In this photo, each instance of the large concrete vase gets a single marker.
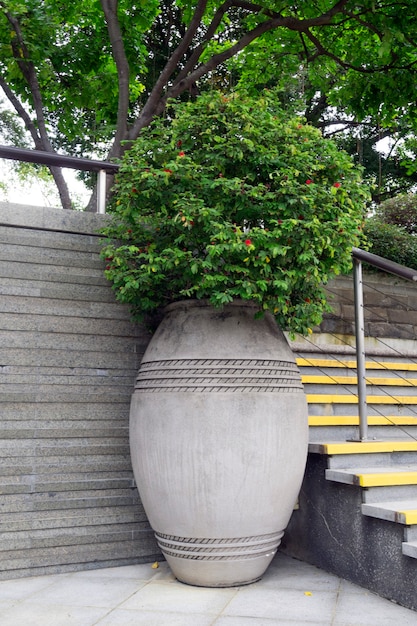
(218, 431)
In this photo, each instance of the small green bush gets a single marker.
(391, 242)
(400, 211)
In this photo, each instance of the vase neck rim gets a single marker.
(194, 303)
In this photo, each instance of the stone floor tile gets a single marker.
(179, 598)
(120, 617)
(261, 621)
(88, 591)
(285, 572)
(21, 588)
(143, 572)
(360, 607)
(29, 614)
(283, 604)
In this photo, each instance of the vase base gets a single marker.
(232, 573)
(219, 585)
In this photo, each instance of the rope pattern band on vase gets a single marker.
(219, 549)
(232, 375)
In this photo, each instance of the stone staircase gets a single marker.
(68, 360)
(357, 513)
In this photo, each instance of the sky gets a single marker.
(35, 192)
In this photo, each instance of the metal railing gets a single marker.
(381, 263)
(57, 160)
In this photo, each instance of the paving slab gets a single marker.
(292, 593)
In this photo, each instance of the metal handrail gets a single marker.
(59, 160)
(402, 271)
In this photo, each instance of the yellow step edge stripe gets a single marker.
(376, 365)
(352, 380)
(353, 420)
(363, 447)
(386, 479)
(407, 517)
(324, 398)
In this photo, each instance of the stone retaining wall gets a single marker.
(68, 359)
(390, 307)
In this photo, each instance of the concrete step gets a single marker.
(377, 397)
(56, 290)
(398, 511)
(353, 420)
(76, 324)
(351, 454)
(54, 429)
(66, 446)
(94, 379)
(46, 538)
(86, 518)
(61, 501)
(66, 412)
(65, 341)
(379, 483)
(68, 273)
(74, 481)
(56, 250)
(381, 380)
(72, 359)
(409, 548)
(374, 476)
(33, 238)
(348, 363)
(63, 308)
(346, 427)
(48, 462)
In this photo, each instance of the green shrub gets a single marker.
(400, 211)
(229, 198)
(391, 242)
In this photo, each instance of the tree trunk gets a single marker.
(62, 187)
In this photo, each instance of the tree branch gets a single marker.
(40, 137)
(21, 56)
(211, 30)
(153, 104)
(22, 113)
(322, 51)
(123, 71)
(157, 99)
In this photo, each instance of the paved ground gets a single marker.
(291, 593)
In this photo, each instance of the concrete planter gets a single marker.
(218, 430)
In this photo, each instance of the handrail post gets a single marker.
(101, 192)
(360, 349)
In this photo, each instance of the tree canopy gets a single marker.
(85, 78)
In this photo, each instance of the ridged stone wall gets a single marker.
(390, 305)
(68, 359)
